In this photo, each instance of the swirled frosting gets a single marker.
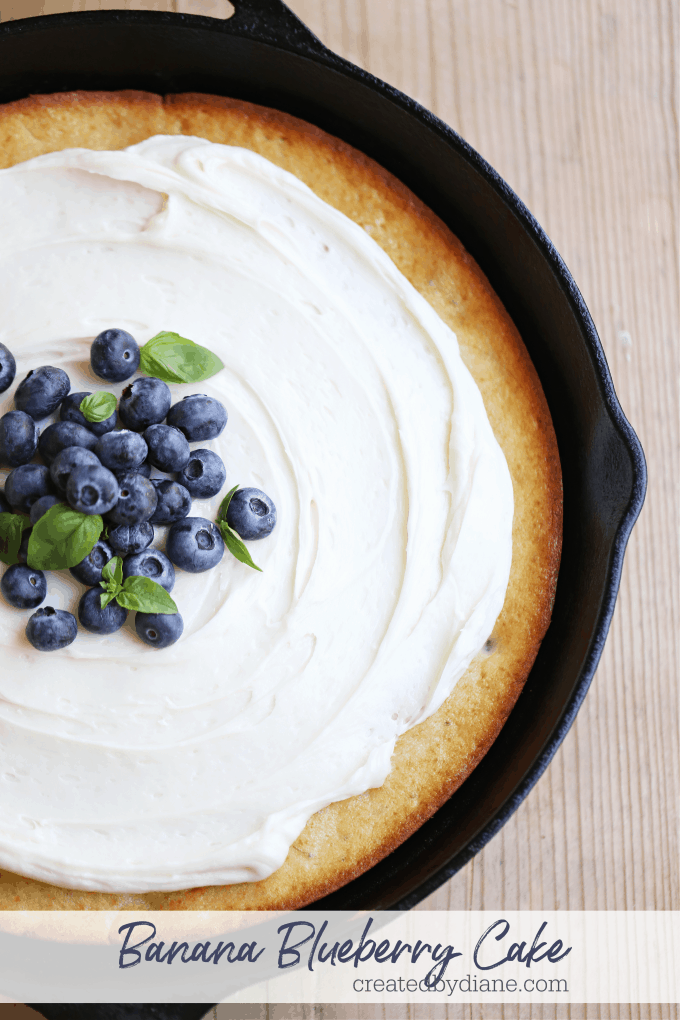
(124, 768)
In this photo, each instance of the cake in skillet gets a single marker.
(314, 715)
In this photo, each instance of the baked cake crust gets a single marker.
(432, 759)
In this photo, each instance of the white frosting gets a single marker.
(123, 768)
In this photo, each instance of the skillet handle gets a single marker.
(271, 21)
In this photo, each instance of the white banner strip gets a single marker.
(315, 957)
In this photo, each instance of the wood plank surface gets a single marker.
(574, 102)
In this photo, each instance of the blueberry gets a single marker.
(203, 475)
(89, 570)
(251, 514)
(23, 587)
(62, 434)
(8, 368)
(144, 402)
(42, 391)
(143, 469)
(4, 505)
(18, 438)
(168, 449)
(41, 506)
(49, 629)
(174, 502)
(26, 484)
(137, 500)
(67, 461)
(70, 411)
(195, 544)
(159, 629)
(100, 621)
(92, 489)
(122, 451)
(151, 563)
(128, 539)
(199, 417)
(114, 355)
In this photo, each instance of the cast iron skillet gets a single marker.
(266, 55)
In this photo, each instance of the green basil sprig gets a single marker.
(12, 527)
(231, 539)
(62, 538)
(174, 359)
(140, 594)
(98, 406)
(112, 580)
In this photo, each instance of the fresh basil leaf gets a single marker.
(110, 592)
(145, 596)
(224, 505)
(174, 359)
(62, 538)
(98, 406)
(236, 546)
(113, 571)
(12, 527)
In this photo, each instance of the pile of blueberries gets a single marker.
(101, 468)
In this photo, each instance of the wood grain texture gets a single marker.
(575, 104)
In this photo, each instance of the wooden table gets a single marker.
(572, 101)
